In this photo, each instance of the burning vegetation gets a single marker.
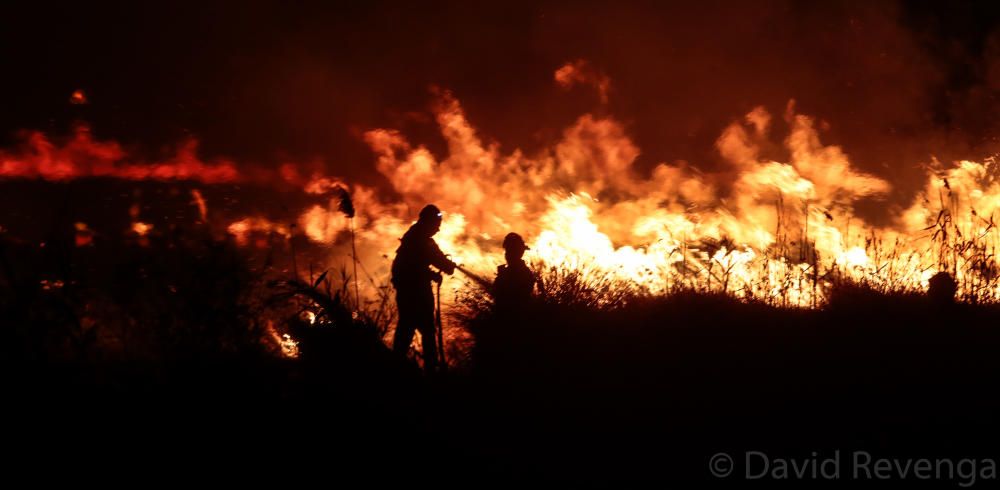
(777, 290)
(779, 232)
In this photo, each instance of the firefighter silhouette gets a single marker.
(515, 282)
(412, 277)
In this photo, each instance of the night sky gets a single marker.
(265, 81)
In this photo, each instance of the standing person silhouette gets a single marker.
(412, 278)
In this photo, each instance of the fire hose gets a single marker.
(476, 278)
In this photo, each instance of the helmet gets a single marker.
(513, 240)
(430, 213)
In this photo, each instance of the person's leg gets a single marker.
(402, 339)
(429, 340)
(428, 330)
(406, 325)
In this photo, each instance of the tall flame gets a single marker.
(776, 231)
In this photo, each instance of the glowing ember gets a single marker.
(84, 236)
(289, 347)
(246, 228)
(78, 97)
(141, 229)
(48, 285)
(199, 201)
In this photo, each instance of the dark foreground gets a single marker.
(650, 392)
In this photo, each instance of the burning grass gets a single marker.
(778, 224)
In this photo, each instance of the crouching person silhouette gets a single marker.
(513, 287)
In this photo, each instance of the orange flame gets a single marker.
(776, 228)
(775, 231)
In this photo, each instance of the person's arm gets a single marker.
(499, 280)
(439, 260)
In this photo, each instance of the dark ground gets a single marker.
(647, 392)
(150, 362)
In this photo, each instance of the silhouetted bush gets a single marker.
(693, 374)
(176, 296)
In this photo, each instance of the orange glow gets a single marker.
(83, 156)
(199, 201)
(288, 346)
(78, 97)
(581, 72)
(774, 231)
(48, 285)
(243, 230)
(779, 233)
(84, 235)
(141, 229)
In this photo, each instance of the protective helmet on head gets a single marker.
(514, 241)
(430, 213)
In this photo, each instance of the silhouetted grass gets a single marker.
(594, 379)
(692, 374)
